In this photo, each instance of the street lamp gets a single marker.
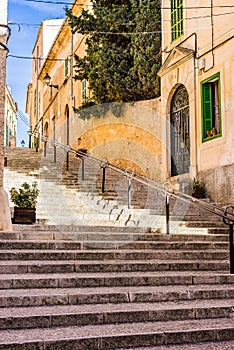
(47, 79)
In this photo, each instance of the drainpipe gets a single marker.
(71, 66)
(212, 36)
(195, 170)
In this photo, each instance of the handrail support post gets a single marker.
(67, 161)
(45, 149)
(231, 248)
(103, 178)
(82, 169)
(167, 215)
(129, 192)
(55, 154)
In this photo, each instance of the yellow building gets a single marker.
(34, 104)
(50, 103)
(186, 134)
(197, 89)
(131, 141)
(10, 119)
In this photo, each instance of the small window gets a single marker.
(84, 91)
(66, 66)
(177, 19)
(211, 108)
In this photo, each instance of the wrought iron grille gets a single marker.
(180, 139)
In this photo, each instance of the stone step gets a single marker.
(119, 335)
(113, 236)
(77, 315)
(70, 232)
(113, 294)
(24, 267)
(80, 228)
(112, 244)
(118, 254)
(97, 279)
(217, 345)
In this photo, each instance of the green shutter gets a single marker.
(177, 25)
(207, 108)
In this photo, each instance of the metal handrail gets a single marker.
(226, 213)
(166, 188)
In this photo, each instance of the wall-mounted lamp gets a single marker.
(47, 79)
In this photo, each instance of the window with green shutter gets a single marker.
(177, 19)
(211, 109)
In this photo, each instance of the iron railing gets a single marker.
(226, 213)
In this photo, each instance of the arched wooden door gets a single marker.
(180, 138)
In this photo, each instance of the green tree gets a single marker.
(122, 55)
(146, 47)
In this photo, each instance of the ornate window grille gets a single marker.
(180, 138)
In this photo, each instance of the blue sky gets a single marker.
(27, 15)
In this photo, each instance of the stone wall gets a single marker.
(132, 140)
(219, 184)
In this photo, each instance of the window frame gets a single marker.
(208, 94)
(177, 19)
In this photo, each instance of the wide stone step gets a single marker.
(218, 345)
(13, 267)
(58, 235)
(81, 280)
(113, 294)
(119, 335)
(125, 244)
(75, 315)
(118, 254)
(80, 229)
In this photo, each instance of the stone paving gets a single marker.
(158, 290)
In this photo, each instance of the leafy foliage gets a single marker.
(25, 196)
(122, 49)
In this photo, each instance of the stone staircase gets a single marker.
(83, 287)
(63, 199)
(67, 199)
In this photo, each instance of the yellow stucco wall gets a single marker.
(210, 31)
(132, 140)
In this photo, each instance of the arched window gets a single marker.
(180, 138)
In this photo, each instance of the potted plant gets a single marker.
(25, 200)
(198, 189)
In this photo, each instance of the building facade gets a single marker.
(5, 216)
(186, 134)
(131, 140)
(197, 94)
(10, 120)
(34, 105)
